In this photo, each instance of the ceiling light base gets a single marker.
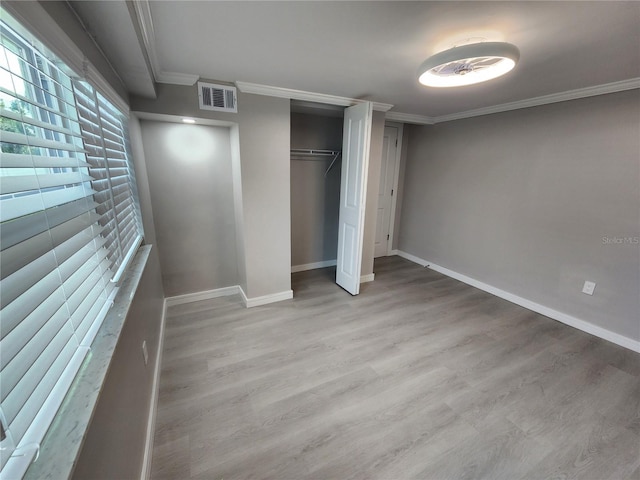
(468, 64)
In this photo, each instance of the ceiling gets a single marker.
(368, 50)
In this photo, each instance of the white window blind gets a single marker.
(69, 224)
(106, 143)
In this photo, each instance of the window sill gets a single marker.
(63, 442)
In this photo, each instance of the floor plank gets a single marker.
(420, 376)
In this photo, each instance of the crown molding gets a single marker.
(176, 78)
(604, 89)
(257, 89)
(143, 16)
(631, 84)
(145, 22)
(409, 118)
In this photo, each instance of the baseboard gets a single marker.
(265, 299)
(395, 251)
(531, 305)
(153, 404)
(244, 298)
(312, 266)
(198, 296)
(223, 292)
(412, 258)
(367, 278)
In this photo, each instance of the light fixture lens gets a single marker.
(188, 120)
(468, 64)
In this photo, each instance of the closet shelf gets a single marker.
(312, 152)
(315, 154)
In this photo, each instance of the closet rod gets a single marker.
(314, 152)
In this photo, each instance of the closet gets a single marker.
(316, 144)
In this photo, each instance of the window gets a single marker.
(69, 224)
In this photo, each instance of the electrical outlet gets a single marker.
(145, 353)
(588, 287)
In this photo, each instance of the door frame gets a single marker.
(396, 181)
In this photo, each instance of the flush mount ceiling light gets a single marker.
(468, 64)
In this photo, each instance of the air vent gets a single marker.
(221, 98)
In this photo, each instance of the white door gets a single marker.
(353, 190)
(386, 191)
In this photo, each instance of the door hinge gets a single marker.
(392, 192)
(396, 143)
(387, 238)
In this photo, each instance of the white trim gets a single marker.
(265, 299)
(143, 14)
(613, 87)
(163, 117)
(396, 181)
(145, 21)
(570, 320)
(226, 291)
(395, 251)
(199, 296)
(630, 84)
(176, 78)
(604, 89)
(367, 278)
(412, 258)
(312, 266)
(268, 90)
(153, 404)
(409, 118)
(243, 296)
(124, 266)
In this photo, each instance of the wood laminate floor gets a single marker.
(420, 376)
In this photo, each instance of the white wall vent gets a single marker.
(221, 98)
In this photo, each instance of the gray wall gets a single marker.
(263, 131)
(142, 180)
(522, 201)
(190, 180)
(315, 199)
(114, 445)
(264, 153)
(238, 209)
(400, 192)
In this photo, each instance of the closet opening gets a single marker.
(316, 162)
